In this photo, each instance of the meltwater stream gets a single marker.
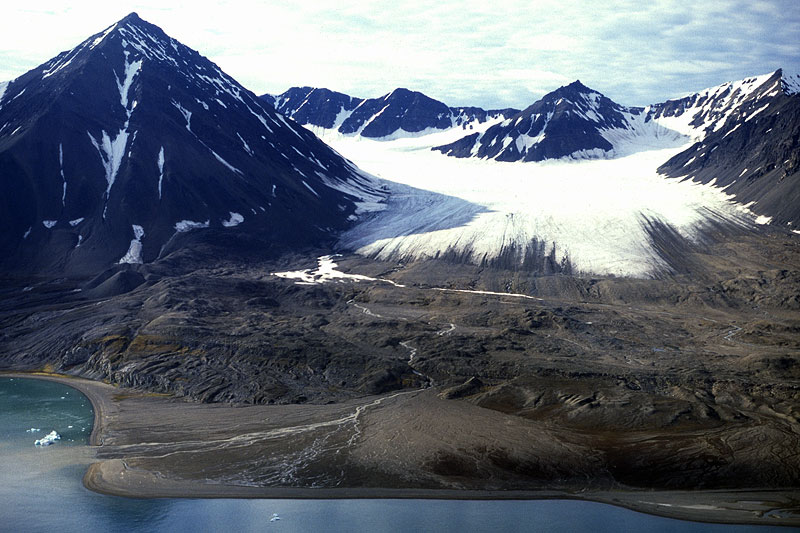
(41, 490)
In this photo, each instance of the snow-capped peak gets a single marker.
(790, 80)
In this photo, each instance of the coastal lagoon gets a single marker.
(41, 489)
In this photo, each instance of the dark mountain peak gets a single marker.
(131, 139)
(567, 122)
(578, 86)
(133, 16)
(575, 91)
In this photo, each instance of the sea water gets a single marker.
(41, 490)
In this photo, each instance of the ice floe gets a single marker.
(48, 439)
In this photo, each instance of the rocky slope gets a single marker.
(753, 150)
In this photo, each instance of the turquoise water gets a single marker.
(41, 490)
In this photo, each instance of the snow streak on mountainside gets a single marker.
(133, 129)
(599, 216)
(401, 113)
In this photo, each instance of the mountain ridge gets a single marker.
(401, 112)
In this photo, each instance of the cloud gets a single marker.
(464, 52)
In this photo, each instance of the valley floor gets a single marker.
(349, 376)
(154, 446)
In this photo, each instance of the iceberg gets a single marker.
(48, 439)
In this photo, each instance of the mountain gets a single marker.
(565, 122)
(117, 150)
(396, 114)
(750, 146)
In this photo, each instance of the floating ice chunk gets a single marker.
(188, 225)
(274, 517)
(33, 430)
(48, 439)
(235, 220)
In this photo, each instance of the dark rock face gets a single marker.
(131, 138)
(565, 121)
(401, 111)
(320, 107)
(755, 155)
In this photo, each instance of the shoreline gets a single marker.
(113, 476)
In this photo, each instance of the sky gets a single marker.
(488, 54)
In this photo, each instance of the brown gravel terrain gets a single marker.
(436, 376)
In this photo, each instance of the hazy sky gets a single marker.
(491, 54)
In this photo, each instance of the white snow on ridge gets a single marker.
(712, 107)
(790, 78)
(3, 87)
(134, 254)
(595, 211)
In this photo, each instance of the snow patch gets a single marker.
(49, 223)
(309, 188)
(230, 167)
(234, 220)
(246, 146)
(28, 232)
(75, 222)
(188, 225)
(326, 272)
(134, 255)
(124, 86)
(762, 220)
(160, 170)
(187, 115)
(63, 179)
